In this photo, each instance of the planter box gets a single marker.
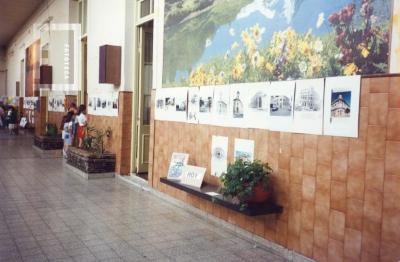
(48, 142)
(89, 162)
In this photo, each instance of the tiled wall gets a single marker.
(341, 196)
(120, 140)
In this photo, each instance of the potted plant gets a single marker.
(93, 159)
(247, 182)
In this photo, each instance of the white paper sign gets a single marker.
(257, 105)
(309, 106)
(103, 104)
(237, 108)
(206, 103)
(193, 175)
(178, 161)
(342, 102)
(193, 105)
(280, 115)
(244, 149)
(219, 155)
(171, 104)
(55, 102)
(221, 116)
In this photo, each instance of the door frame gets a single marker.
(136, 92)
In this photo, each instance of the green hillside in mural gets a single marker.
(209, 42)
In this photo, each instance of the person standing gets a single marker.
(67, 131)
(82, 123)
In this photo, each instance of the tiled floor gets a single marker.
(47, 214)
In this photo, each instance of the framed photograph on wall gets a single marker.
(244, 150)
(206, 104)
(342, 104)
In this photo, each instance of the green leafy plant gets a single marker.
(94, 140)
(51, 130)
(242, 177)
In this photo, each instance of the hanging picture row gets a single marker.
(105, 104)
(327, 106)
(31, 103)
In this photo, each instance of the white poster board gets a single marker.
(281, 97)
(171, 104)
(193, 176)
(237, 108)
(342, 104)
(178, 161)
(193, 105)
(206, 104)
(31, 103)
(309, 106)
(55, 102)
(244, 149)
(105, 104)
(219, 155)
(221, 116)
(257, 105)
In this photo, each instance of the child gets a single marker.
(12, 121)
(82, 122)
(67, 132)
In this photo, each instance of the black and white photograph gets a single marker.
(56, 102)
(281, 105)
(206, 104)
(172, 104)
(105, 104)
(221, 110)
(281, 99)
(257, 109)
(219, 155)
(193, 105)
(31, 103)
(308, 109)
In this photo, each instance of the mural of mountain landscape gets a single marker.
(213, 42)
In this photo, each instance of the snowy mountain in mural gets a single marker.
(210, 42)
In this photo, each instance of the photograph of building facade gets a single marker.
(340, 106)
(95, 184)
(280, 106)
(308, 100)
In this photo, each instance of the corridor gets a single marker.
(49, 214)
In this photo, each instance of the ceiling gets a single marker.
(13, 15)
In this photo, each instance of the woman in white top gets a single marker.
(82, 122)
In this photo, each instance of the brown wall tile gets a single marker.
(354, 213)
(378, 109)
(394, 92)
(337, 221)
(393, 124)
(376, 141)
(392, 164)
(374, 175)
(338, 195)
(352, 244)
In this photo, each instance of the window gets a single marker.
(146, 7)
(83, 16)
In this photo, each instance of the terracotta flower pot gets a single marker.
(259, 194)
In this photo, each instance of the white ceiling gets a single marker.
(13, 15)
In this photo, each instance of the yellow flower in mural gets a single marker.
(257, 32)
(304, 47)
(350, 69)
(269, 67)
(237, 72)
(234, 45)
(239, 57)
(245, 37)
(198, 76)
(363, 50)
(257, 60)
